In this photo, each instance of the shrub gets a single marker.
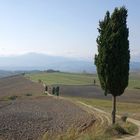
(12, 97)
(136, 87)
(57, 91)
(28, 94)
(130, 128)
(39, 81)
(124, 117)
(115, 130)
(53, 90)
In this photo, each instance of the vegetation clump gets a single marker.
(104, 133)
(55, 91)
(120, 129)
(136, 87)
(28, 94)
(124, 117)
(39, 81)
(14, 97)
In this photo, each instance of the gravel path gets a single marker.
(29, 119)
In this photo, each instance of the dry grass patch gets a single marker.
(101, 133)
(131, 109)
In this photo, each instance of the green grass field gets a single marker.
(64, 78)
(78, 79)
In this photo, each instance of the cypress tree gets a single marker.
(112, 60)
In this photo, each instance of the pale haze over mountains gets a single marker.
(38, 61)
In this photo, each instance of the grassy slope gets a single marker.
(78, 79)
(64, 78)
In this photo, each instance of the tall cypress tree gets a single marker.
(112, 60)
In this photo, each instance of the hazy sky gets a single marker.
(60, 27)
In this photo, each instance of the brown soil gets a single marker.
(29, 119)
(18, 85)
(132, 96)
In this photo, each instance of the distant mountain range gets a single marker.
(4, 73)
(34, 61)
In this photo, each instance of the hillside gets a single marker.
(4, 73)
(18, 86)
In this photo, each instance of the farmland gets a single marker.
(62, 78)
(18, 86)
(29, 116)
(27, 113)
(80, 87)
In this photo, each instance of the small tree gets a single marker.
(94, 81)
(113, 57)
(53, 90)
(46, 88)
(57, 91)
(39, 81)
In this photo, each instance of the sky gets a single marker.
(61, 27)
